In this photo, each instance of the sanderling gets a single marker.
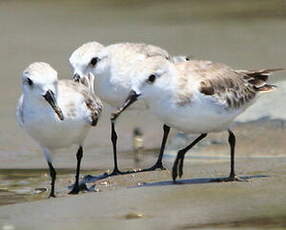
(112, 67)
(197, 97)
(56, 114)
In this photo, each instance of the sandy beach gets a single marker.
(151, 200)
(243, 35)
(158, 204)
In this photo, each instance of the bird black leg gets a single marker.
(116, 170)
(114, 143)
(53, 179)
(159, 164)
(231, 141)
(76, 188)
(180, 157)
(232, 176)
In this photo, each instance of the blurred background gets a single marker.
(245, 34)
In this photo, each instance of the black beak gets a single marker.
(76, 77)
(132, 97)
(50, 98)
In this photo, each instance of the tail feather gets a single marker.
(258, 78)
(265, 88)
(257, 82)
(260, 72)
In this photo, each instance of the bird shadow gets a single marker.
(195, 181)
(92, 179)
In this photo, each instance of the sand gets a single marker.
(158, 204)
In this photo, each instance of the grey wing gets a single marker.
(95, 106)
(19, 112)
(226, 85)
(92, 102)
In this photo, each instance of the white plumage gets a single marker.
(196, 97)
(112, 68)
(56, 114)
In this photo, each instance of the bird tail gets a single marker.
(259, 78)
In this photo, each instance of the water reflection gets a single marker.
(22, 185)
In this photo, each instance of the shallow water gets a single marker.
(23, 185)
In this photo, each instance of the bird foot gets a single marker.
(116, 172)
(75, 190)
(158, 165)
(52, 195)
(177, 168)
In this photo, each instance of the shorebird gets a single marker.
(111, 68)
(56, 114)
(196, 97)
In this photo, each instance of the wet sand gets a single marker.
(151, 200)
(156, 203)
(268, 135)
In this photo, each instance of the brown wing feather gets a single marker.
(234, 88)
(95, 107)
(93, 103)
(227, 85)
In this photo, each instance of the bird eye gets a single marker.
(94, 61)
(188, 58)
(29, 81)
(151, 78)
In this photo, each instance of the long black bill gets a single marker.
(50, 98)
(132, 97)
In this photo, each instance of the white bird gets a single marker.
(112, 67)
(196, 97)
(56, 114)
